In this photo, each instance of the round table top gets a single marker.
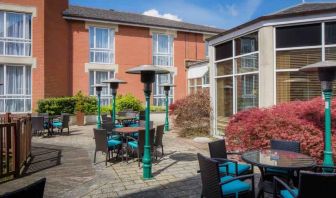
(128, 129)
(278, 159)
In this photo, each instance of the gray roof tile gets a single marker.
(132, 18)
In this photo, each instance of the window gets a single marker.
(162, 49)
(101, 45)
(330, 33)
(223, 51)
(15, 94)
(163, 56)
(296, 36)
(96, 77)
(15, 34)
(206, 49)
(159, 93)
(237, 77)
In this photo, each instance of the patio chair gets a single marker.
(142, 123)
(218, 152)
(35, 190)
(158, 139)
(310, 185)
(104, 144)
(324, 169)
(142, 115)
(137, 145)
(214, 186)
(109, 126)
(284, 145)
(38, 124)
(62, 123)
(104, 118)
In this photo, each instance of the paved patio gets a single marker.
(67, 163)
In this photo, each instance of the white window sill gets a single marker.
(101, 66)
(18, 60)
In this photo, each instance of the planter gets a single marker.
(73, 120)
(80, 118)
(90, 119)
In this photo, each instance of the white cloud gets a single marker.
(232, 10)
(155, 13)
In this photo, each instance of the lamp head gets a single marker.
(147, 72)
(99, 88)
(114, 82)
(326, 70)
(167, 86)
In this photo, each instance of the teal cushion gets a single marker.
(135, 135)
(232, 168)
(119, 126)
(134, 125)
(133, 144)
(286, 193)
(113, 143)
(57, 124)
(234, 187)
(115, 137)
(276, 170)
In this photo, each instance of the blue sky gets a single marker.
(217, 13)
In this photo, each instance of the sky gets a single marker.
(215, 13)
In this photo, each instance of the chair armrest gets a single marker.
(243, 177)
(228, 160)
(129, 137)
(276, 180)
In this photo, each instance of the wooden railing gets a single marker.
(15, 143)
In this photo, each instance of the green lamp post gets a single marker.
(114, 85)
(166, 88)
(327, 73)
(147, 73)
(99, 88)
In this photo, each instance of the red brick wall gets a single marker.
(80, 56)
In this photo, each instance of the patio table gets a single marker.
(48, 119)
(123, 119)
(278, 159)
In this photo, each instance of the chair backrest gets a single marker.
(37, 123)
(141, 139)
(104, 117)
(217, 149)
(108, 126)
(159, 135)
(100, 136)
(142, 115)
(142, 123)
(209, 176)
(65, 120)
(131, 114)
(122, 113)
(285, 145)
(317, 184)
(35, 190)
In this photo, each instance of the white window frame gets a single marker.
(170, 55)
(323, 46)
(110, 49)
(109, 76)
(23, 96)
(23, 40)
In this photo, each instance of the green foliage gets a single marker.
(79, 102)
(106, 109)
(56, 106)
(128, 101)
(157, 108)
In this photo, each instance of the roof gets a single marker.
(136, 19)
(302, 9)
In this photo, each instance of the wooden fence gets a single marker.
(15, 143)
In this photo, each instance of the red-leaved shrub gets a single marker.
(302, 121)
(192, 114)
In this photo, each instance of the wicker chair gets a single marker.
(62, 123)
(214, 186)
(35, 190)
(218, 151)
(104, 144)
(158, 139)
(38, 124)
(310, 185)
(109, 126)
(137, 145)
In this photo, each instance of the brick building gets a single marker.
(49, 49)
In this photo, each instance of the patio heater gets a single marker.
(114, 85)
(327, 73)
(166, 88)
(147, 73)
(99, 88)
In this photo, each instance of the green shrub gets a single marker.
(128, 101)
(157, 108)
(56, 106)
(106, 109)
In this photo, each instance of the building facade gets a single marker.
(51, 49)
(256, 64)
